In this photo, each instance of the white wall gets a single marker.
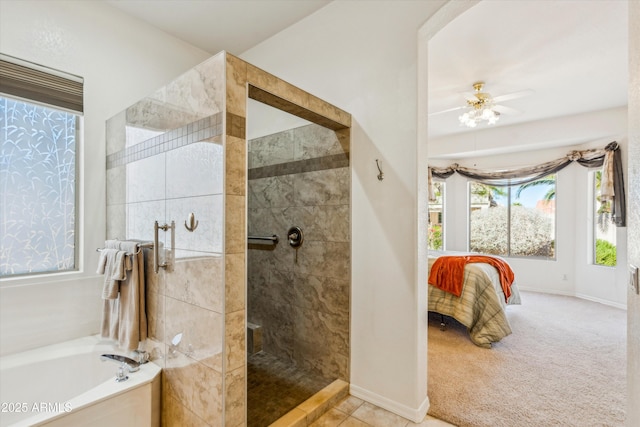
(361, 56)
(573, 219)
(121, 61)
(263, 120)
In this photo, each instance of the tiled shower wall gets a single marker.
(165, 160)
(300, 297)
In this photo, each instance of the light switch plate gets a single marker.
(633, 279)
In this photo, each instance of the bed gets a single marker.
(481, 304)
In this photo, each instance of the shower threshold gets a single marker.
(313, 408)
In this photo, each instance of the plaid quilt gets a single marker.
(480, 307)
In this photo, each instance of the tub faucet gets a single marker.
(141, 356)
(131, 364)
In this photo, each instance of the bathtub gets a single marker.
(67, 384)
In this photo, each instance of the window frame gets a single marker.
(53, 89)
(509, 203)
(441, 215)
(593, 232)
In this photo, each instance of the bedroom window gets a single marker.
(436, 218)
(517, 221)
(40, 113)
(604, 231)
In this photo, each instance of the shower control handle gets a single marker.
(295, 236)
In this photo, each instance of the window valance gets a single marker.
(611, 186)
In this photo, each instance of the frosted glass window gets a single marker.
(37, 188)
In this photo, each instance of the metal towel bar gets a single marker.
(140, 246)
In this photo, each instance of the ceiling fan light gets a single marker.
(475, 116)
(480, 107)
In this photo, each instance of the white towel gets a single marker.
(112, 244)
(124, 319)
(113, 264)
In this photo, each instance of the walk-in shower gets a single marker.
(298, 286)
(179, 158)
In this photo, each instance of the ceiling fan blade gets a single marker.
(514, 95)
(506, 110)
(446, 111)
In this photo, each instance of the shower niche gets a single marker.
(229, 151)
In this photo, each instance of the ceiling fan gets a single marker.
(481, 106)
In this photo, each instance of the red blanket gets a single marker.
(447, 272)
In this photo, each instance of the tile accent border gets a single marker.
(198, 131)
(334, 161)
(236, 125)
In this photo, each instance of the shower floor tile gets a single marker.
(275, 386)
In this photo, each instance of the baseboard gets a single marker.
(413, 414)
(602, 301)
(546, 291)
(575, 295)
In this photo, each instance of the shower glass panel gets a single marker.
(165, 163)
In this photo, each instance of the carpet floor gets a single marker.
(563, 365)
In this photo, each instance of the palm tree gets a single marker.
(604, 211)
(488, 191)
(549, 181)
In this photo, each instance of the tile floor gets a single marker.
(275, 387)
(354, 412)
(269, 376)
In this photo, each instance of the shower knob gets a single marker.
(295, 236)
